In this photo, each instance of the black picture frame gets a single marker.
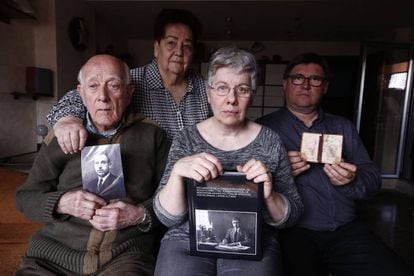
(214, 206)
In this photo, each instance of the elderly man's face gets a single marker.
(104, 91)
(102, 164)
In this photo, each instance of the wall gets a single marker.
(17, 116)
(70, 60)
(44, 55)
(142, 50)
(44, 43)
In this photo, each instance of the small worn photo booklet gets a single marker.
(225, 217)
(321, 148)
(102, 172)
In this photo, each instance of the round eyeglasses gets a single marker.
(241, 90)
(299, 79)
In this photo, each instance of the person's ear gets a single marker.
(130, 91)
(284, 84)
(80, 90)
(325, 88)
(208, 95)
(156, 48)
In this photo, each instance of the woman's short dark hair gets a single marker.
(176, 16)
(307, 58)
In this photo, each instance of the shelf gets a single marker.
(17, 95)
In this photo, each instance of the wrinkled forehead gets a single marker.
(308, 69)
(101, 72)
(178, 29)
(102, 68)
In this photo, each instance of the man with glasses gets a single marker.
(328, 238)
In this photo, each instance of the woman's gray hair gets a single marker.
(235, 58)
(126, 78)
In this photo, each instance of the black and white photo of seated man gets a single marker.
(236, 236)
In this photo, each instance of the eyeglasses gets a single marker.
(241, 90)
(314, 81)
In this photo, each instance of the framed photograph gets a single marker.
(225, 217)
(102, 172)
(321, 148)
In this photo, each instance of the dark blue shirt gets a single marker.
(327, 206)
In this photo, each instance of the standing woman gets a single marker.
(165, 90)
(226, 141)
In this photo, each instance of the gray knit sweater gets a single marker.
(266, 147)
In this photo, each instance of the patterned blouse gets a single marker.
(152, 99)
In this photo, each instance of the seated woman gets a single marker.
(226, 141)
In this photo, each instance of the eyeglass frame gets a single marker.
(251, 90)
(308, 79)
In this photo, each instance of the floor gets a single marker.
(390, 214)
(15, 229)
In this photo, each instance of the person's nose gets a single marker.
(103, 94)
(306, 83)
(179, 49)
(232, 96)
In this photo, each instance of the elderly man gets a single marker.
(328, 237)
(83, 233)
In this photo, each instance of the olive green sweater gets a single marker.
(72, 242)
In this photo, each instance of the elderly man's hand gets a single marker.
(341, 173)
(117, 215)
(80, 204)
(297, 163)
(71, 134)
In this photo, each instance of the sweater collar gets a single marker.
(107, 134)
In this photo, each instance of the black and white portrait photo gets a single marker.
(102, 171)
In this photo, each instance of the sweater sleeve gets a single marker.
(38, 196)
(178, 150)
(162, 145)
(283, 183)
(368, 178)
(70, 105)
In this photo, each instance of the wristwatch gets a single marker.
(145, 218)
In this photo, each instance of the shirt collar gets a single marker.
(104, 178)
(317, 120)
(107, 134)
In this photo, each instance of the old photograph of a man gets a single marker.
(226, 232)
(102, 171)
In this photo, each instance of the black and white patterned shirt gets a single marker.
(152, 99)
